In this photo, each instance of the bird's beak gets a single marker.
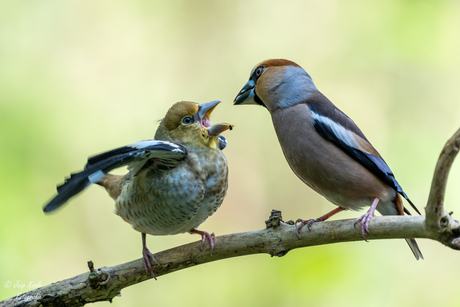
(204, 114)
(246, 95)
(217, 129)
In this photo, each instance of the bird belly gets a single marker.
(174, 203)
(323, 166)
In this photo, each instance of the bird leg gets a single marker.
(311, 221)
(147, 255)
(366, 218)
(205, 235)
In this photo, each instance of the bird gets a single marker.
(323, 146)
(174, 181)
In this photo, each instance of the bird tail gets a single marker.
(411, 242)
(414, 248)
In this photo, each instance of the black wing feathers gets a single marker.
(374, 164)
(138, 153)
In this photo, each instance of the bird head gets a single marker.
(189, 122)
(276, 83)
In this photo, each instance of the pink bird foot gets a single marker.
(205, 235)
(366, 218)
(302, 224)
(147, 255)
(312, 221)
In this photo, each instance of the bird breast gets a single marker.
(177, 200)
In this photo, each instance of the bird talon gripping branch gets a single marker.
(323, 146)
(205, 236)
(175, 182)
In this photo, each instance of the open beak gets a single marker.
(204, 114)
(246, 95)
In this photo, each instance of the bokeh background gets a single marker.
(81, 77)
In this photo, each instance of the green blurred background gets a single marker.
(81, 77)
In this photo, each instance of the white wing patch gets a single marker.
(94, 177)
(341, 132)
(147, 143)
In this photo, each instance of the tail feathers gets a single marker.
(411, 242)
(410, 203)
(414, 248)
(397, 208)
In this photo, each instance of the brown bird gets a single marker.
(175, 182)
(323, 146)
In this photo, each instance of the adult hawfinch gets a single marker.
(323, 146)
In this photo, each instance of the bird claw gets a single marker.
(147, 255)
(311, 221)
(302, 224)
(364, 221)
(205, 235)
(366, 218)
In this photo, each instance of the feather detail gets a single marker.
(336, 127)
(135, 156)
(414, 248)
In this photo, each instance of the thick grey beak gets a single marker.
(205, 109)
(246, 95)
(204, 114)
(217, 129)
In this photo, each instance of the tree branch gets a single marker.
(437, 218)
(277, 239)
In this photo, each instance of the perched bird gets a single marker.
(323, 146)
(175, 182)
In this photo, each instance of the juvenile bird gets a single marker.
(175, 182)
(323, 146)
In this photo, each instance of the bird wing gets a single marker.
(166, 154)
(336, 127)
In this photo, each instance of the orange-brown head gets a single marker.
(276, 83)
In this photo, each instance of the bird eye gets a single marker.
(259, 71)
(187, 120)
